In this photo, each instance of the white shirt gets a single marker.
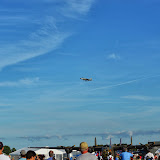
(110, 157)
(4, 157)
(150, 155)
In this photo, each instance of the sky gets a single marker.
(46, 46)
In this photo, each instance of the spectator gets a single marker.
(40, 157)
(148, 156)
(51, 155)
(85, 155)
(2, 156)
(126, 155)
(110, 157)
(23, 155)
(31, 155)
(156, 156)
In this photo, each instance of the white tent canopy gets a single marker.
(59, 153)
(158, 151)
(17, 153)
(46, 152)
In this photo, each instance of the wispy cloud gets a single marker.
(48, 37)
(40, 42)
(140, 97)
(11, 21)
(127, 82)
(74, 8)
(113, 56)
(36, 138)
(106, 135)
(26, 81)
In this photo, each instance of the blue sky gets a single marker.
(46, 46)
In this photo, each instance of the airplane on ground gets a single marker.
(86, 79)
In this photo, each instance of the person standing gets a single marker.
(40, 157)
(126, 155)
(2, 156)
(110, 157)
(149, 155)
(23, 155)
(85, 155)
(51, 155)
(31, 155)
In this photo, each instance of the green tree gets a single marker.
(7, 150)
(13, 150)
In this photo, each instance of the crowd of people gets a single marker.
(125, 155)
(30, 155)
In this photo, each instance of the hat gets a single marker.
(83, 146)
(1, 145)
(23, 152)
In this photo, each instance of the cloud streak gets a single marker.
(22, 82)
(74, 8)
(107, 135)
(113, 56)
(36, 138)
(124, 83)
(48, 37)
(140, 97)
(41, 42)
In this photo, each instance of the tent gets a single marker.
(16, 155)
(17, 152)
(158, 151)
(60, 154)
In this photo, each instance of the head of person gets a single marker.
(1, 146)
(31, 155)
(110, 153)
(51, 153)
(125, 149)
(156, 156)
(23, 153)
(84, 147)
(40, 157)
